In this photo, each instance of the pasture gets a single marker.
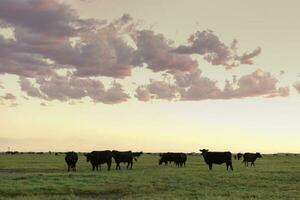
(45, 176)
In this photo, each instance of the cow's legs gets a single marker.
(210, 166)
(108, 165)
(118, 167)
(68, 168)
(230, 164)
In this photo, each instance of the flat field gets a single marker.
(44, 176)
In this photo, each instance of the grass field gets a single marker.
(45, 177)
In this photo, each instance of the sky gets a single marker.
(149, 76)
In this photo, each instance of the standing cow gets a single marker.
(136, 155)
(251, 157)
(239, 156)
(123, 157)
(71, 159)
(217, 158)
(99, 157)
(178, 158)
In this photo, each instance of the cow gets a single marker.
(178, 158)
(239, 156)
(182, 160)
(123, 157)
(99, 157)
(136, 155)
(251, 157)
(71, 159)
(211, 158)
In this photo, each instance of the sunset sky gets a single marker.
(150, 76)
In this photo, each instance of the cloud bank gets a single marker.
(49, 36)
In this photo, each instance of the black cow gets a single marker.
(178, 158)
(136, 155)
(99, 157)
(217, 158)
(123, 157)
(251, 157)
(71, 160)
(239, 156)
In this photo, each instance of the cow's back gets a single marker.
(100, 157)
(123, 156)
(249, 157)
(217, 157)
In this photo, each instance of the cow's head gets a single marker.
(88, 156)
(258, 155)
(203, 151)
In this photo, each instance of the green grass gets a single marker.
(45, 177)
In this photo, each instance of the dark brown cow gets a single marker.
(178, 158)
(123, 157)
(211, 158)
(136, 155)
(99, 157)
(71, 160)
(239, 156)
(251, 157)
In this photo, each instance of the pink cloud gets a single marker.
(207, 44)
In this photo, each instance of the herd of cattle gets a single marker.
(97, 158)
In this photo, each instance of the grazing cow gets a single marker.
(71, 159)
(136, 155)
(251, 157)
(123, 157)
(178, 158)
(217, 158)
(239, 156)
(99, 157)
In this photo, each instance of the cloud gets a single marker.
(13, 60)
(207, 44)
(297, 86)
(48, 17)
(156, 51)
(29, 89)
(142, 93)
(8, 99)
(45, 30)
(191, 86)
(156, 90)
(9, 96)
(43, 104)
(68, 88)
(50, 36)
